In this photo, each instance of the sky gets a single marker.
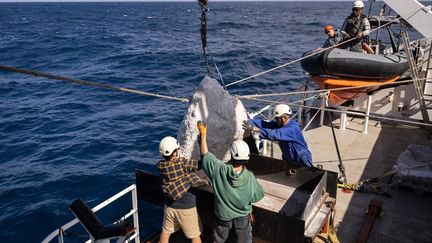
(160, 0)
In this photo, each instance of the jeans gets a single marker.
(240, 227)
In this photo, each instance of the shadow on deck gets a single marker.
(407, 217)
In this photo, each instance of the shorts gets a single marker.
(185, 219)
(366, 39)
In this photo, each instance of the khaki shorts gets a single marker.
(185, 219)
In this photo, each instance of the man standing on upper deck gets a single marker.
(286, 131)
(356, 25)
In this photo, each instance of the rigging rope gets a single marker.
(326, 90)
(283, 65)
(216, 67)
(89, 83)
(310, 122)
(317, 52)
(269, 106)
(347, 112)
(302, 100)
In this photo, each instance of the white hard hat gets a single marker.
(281, 109)
(239, 150)
(167, 146)
(358, 4)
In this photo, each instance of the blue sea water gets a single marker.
(60, 141)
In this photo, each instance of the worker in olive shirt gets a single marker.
(235, 188)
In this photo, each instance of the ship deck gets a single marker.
(407, 216)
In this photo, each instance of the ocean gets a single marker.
(60, 141)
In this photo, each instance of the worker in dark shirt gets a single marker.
(357, 25)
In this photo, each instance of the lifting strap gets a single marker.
(374, 188)
(372, 185)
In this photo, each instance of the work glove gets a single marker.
(248, 127)
(202, 128)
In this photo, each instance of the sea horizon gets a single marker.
(62, 141)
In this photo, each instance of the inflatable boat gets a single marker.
(355, 65)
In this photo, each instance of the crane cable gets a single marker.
(205, 48)
(203, 30)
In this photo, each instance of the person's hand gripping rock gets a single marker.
(202, 128)
(248, 127)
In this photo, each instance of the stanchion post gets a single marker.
(300, 117)
(343, 118)
(366, 121)
(323, 105)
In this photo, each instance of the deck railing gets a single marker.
(134, 211)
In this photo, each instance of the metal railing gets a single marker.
(135, 236)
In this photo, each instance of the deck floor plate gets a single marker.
(366, 156)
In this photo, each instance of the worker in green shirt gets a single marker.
(235, 189)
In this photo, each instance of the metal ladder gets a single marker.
(418, 84)
(428, 83)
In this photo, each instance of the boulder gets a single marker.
(222, 113)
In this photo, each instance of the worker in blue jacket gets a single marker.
(286, 131)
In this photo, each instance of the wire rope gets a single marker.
(89, 83)
(349, 112)
(326, 90)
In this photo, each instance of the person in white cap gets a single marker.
(357, 25)
(286, 131)
(234, 187)
(180, 210)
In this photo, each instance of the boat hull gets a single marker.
(344, 63)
